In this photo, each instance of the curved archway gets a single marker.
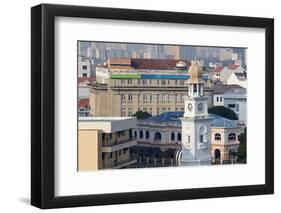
(141, 134)
(217, 155)
(172, 136)
(217, 136)
(232, 153)
(179, 137)
(157, 136)
(147, 134)
(232, 136)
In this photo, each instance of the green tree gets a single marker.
(142, 115)
(242, 151)
(223, 111)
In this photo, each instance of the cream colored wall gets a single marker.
(89, 150)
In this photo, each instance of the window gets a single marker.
(179, 136)
(145, 97)
(181, 82)
(119, 134)
(103, 155)
(130, 97)
(130, 81)
(150, 82)
(176, 82)
(119, 152)
(217, 99)
(218, 136)
(220, 99)
(163, 82)
(157, 136)
(84, 67)
(122, 81)
(123, 97)
(110, 136)
(231, 105)
(84, 75)
(138, 81)
(103, 136)
(188, 138)
(147, 134)
(144, 82)
(232, 136)
(173, 136)
(125, 150)
(150, 97)
(141, 134)
(194, 88)
(168, 82)
(110, 155)
(136, 134)
(201, 138)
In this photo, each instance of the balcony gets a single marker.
(112, 146)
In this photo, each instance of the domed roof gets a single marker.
(195, 70)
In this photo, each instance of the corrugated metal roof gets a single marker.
(173, 117)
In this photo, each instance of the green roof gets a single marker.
(125, 76)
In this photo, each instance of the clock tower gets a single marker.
(196, 124)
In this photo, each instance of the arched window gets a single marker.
(141, 134)
(147, 134)
(136, 134)
(157, 136)
(218, 136)
(173, 136)
(232, 136)
(179, 136)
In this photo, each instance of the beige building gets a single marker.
(104, 142)
(225, 143)
(125, 86)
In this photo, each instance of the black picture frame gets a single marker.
(43, 102)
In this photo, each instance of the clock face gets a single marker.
(200, 107)
(189, 107)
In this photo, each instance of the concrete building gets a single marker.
(125, 86)
(164, 132)
(223, 74)
(84, 67)
(105, 142)
(84, 87)
(233, 97)
(238, 78)
(83, 107)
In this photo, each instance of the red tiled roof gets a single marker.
(232, 66)
(84, 102)
(90, 79)
(219, 69)
(158, 64)
(145, 63)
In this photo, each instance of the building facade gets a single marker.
(233, 97)
(105, 142)
(125, 86)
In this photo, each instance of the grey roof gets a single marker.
(241, 76)
(223, 88)
(173, 118)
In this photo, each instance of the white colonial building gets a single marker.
(233, 97)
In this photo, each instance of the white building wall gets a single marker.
(84, 68)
